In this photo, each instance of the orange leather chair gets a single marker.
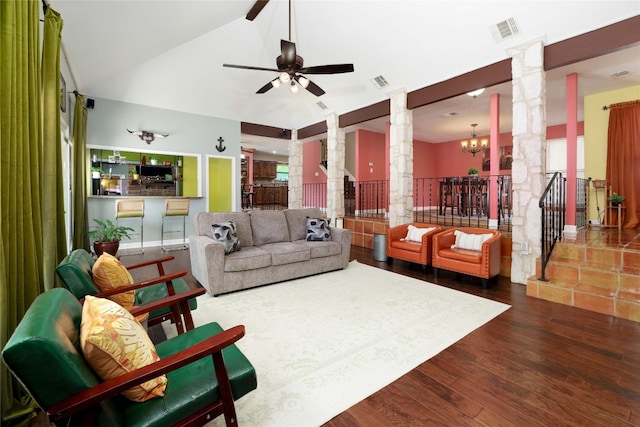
(483, 262)
(409, 250)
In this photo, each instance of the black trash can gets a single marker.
(380, 247)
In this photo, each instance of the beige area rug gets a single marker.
(321, 344)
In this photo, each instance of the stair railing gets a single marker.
(553, 209)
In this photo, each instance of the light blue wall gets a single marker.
(189, 134)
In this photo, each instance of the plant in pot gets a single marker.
(96, 172)
(615, 199)
(473, 171)
(153, 159)
(106, 236)
(133, 173)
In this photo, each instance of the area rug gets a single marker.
(321, 344)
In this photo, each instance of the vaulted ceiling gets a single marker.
(169, 54)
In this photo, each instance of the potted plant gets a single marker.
(106, 236)
(96, 172)
(615, 199)
(153, 159)
(473, 171)
(133, 172)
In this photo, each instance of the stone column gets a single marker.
(529, 152)
(335, 168)
(400, 160)
(295, 171)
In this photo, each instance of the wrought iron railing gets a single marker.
(582, 205)
(552, 208)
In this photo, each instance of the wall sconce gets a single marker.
(474, 145)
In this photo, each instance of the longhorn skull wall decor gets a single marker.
(147, 136)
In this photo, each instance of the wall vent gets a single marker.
(321, 105)
(619, 74)
(505, 29)
(380, 82)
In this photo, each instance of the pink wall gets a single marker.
(370, 147)
(425, 159)
(311, 163)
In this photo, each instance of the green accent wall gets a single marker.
(220, 184)
(190, 176)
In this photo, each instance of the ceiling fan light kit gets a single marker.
(290, 65)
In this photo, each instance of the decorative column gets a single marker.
(529, 152)
(335, 168)
(400, 160)
(295, 171)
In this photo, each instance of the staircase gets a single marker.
(600, 271)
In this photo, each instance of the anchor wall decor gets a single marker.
(220, 147)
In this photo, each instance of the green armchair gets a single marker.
(75, 272)
(205, 371)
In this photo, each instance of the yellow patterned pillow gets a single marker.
(109, 273)
(114, 342)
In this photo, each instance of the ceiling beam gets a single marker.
(264, 130)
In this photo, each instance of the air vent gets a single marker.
(451, 114)
(380, 82)
(620, 74)
(505, 29)
(321, 105)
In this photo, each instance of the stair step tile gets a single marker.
(595, 303)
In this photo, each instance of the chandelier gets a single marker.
(474, 145)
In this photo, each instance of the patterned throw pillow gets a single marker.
(318, 229)
(225, 233)
(114, 343)
(109, 273)
(415, 233)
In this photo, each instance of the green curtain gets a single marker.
(20, 179)
(80, 174)
(53, 227)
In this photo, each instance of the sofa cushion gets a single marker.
(318, 229)
(114, 342)
(269, 227)
(407, 245)
(225, 233)
(286, 253)
(204, 220)
(464, 255)
(247, 259)
(321, 249)
(470, 241)
(297, 221)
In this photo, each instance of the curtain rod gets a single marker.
(606, 107)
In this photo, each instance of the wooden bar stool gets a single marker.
(127, 209)
(175, 208)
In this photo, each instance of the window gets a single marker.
(282, 173)
(557, 156)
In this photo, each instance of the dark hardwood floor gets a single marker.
(538, 364)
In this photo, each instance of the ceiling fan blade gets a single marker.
(265, 88)
(288, 52)
(247, 67)
(315, 89)
(256, 9)
(328, 69)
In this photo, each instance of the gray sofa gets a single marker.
(273, 248)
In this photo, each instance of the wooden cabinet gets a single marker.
(264, 169)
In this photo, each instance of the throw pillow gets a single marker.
(114, 343)
(318, 229)
(470, 241)
(109, 273)
(225, 233)
(415, 234)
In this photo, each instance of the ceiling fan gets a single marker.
(290, 65)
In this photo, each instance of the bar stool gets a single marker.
(175, 208)
(131, 209)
